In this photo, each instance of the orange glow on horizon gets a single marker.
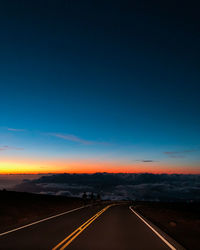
(27, 166)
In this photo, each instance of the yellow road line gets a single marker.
(79, 230)
(72, 234)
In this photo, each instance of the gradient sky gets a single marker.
(90, 86)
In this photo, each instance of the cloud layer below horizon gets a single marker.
(149, 187)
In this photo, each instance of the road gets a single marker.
(98, 227)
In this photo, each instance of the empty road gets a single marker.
(97, 227)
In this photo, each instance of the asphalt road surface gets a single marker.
(100, 227)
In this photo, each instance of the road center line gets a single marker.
(79, 230)
(159, 235)
(39, 221)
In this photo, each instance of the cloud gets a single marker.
(150, 187)
(64, 193)
(179, 154)
(2, 148)
(16, 129)
(146, 161)
(72, 138)
(77, 139)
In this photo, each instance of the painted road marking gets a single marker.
(63, 244)
(39, 221)
(160, 236)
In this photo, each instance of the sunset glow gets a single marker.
(19, 166)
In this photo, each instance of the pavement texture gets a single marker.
(117, 228)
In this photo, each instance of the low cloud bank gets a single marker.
(147, 187)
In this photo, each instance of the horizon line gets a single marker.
(103, 172)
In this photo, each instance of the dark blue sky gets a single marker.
(122, 77)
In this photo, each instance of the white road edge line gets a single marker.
(39, 221)
(160, 236)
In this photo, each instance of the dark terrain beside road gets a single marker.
(180, 220)
(18, 209)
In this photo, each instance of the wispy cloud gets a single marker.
(16, 129)
(77, 139)
(72, 138)
(179, 154)
(3, 148)
(146, 161)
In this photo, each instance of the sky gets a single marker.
(99, 86)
